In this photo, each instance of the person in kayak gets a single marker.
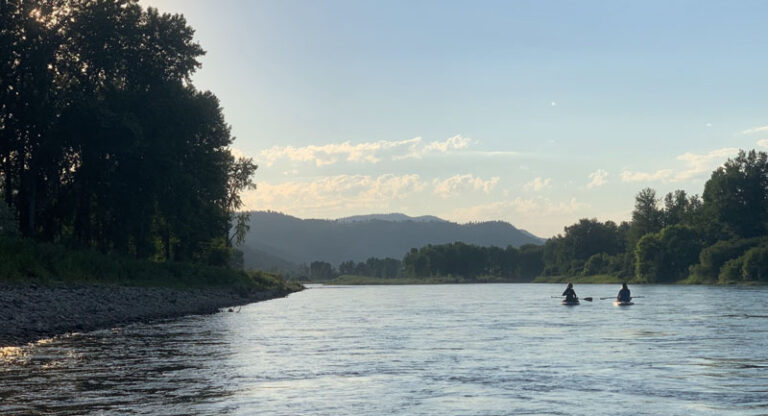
(570, 294)
(624, 295)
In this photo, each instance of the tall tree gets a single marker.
(104, 141)
(736, 195)
(646, 217)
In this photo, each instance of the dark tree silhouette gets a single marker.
(105, 142)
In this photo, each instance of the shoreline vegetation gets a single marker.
(48, 290)
(593, 279)
(120, 196)
(720, 237)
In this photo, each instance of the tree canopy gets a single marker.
(722, 237)
(104, 141)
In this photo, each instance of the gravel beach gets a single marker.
(32, 312)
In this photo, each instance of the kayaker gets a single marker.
(570, 294)
(624, 295)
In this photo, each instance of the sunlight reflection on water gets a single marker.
(415, 350)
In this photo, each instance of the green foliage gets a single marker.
(755, 268)
(369, 280)
(320, 271)
(569, 254)
(666, 256)
(603, 263)
(649, 258)
(731, 271)
(387, 268)
(473, 262)
(646, 218)
(752, 267)
(596, 278)
(736, 196)
(712, 258)
(26, 260)
(9, 227)
(104, 141)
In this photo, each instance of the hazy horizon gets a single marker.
(534, 113)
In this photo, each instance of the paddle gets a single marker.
(614, 297)
(588, 299)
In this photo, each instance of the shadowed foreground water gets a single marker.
(416, 350)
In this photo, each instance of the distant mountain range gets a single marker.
(396, 217)
(278, 242)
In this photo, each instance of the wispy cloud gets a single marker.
(460, 184)
(539, 215)
(693, 165)
(762, 143)
(761, 129)
(537, 184)
(341, 194)
(368, 152)
(534, 207)
(334, 192)
(597, 178)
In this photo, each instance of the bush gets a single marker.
(714, 257)
(755, 267)
(25, 260)
(9, 224)
(596, 264)
(666, 256)
(731, 271)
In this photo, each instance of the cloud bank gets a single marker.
(537, 184)
(693, 166)
(369, 152)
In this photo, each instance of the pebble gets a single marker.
(32, 312)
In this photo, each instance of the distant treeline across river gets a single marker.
(718, 237)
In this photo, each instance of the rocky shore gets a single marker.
(32, 312)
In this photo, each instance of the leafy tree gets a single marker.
(646, 217)
(8, 223)
(320, 271)
(105, 142)
(714, 257)
(347, 267)
(667, 255)
(736, 195)
(531, 261)
(755, 266)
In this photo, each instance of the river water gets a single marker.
(506, 349)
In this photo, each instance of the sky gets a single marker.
(537, 112)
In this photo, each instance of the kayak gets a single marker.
(622, 303)
(570, 302)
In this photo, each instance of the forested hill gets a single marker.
(275, 236)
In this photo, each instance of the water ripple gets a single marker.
(414, 350)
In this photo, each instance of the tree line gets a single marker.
(105, 143)
(720, 236)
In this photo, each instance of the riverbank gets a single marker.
(596, 278)
(29, 312)
(349, 279)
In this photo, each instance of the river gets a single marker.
(495, 349)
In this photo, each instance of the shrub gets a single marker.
(755, 267)
(9, 225)
(714, 257)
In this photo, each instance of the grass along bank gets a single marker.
(48, 290)
(596, 278)
(25, 261)
(348, 279)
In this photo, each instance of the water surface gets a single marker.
(506, 349)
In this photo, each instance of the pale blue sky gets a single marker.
(534, 112)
